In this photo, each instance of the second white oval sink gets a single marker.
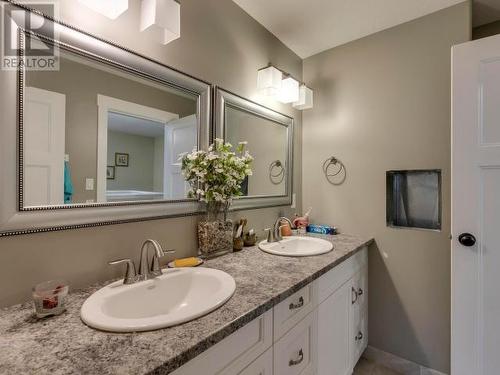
(297, 246)
(177, 296)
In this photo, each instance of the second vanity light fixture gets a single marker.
(273, 82)
(162, 15)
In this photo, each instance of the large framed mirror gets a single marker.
(269, 137)
(98, 132)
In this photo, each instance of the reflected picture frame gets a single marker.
(121, 159)
(110, 172)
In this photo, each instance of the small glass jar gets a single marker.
(49, 298)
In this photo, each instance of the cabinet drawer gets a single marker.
(235, 352)
(290, 311)
(296, 352)
(261, 366)
(335, 278)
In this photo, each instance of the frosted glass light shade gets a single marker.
(269, 81)
(289, 91)
(305, 98)
(109, 8)
(162, 14)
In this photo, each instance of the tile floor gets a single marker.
(366, 367)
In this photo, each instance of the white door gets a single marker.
(180, 136)
(334, 333)
(476, 208)
(43, 130)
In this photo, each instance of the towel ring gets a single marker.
(334, 171)
(276, 172)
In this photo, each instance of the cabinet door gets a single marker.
(334, 329)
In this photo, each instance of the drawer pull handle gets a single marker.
(354, 296)
(359, 336)
(295, 362)
(297, 305)
(360, 292)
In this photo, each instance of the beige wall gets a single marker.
(486, 30)
(382, 103)
(220, 43)
(140, 173)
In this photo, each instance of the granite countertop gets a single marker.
(64, 345)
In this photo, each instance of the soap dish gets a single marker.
(172, 264)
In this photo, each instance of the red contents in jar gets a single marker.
(52, 302)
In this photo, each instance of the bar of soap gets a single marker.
(186, 262)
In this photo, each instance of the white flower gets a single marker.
(216, 175)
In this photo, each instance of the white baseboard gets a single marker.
(398, 364)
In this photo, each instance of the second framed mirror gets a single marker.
(269, 137)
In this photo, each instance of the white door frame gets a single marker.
(108, 104)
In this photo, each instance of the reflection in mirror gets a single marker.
(267, 142)
(93, 133)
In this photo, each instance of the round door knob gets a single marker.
(467, 239)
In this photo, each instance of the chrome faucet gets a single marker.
(150, 271)
(274, 234)
(145, 271)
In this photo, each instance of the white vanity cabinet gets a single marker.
(343, 316)
(322, 329)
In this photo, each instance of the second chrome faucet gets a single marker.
(274, 233)
(146, 270)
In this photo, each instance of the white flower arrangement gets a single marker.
(216, 175)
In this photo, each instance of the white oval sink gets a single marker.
(177, 296)
(297, 246)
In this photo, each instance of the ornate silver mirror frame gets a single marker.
(224, 99)
(16, 219)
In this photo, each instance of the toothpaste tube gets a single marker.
(321, 229)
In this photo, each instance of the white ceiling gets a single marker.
(134, 125)
(308, 27)
(485, 11)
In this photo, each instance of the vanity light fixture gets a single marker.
(109, 8)
(164, 15)
(280, 85)
(289, 91)
(305, 98)
(269, 81)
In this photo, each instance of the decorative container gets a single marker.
(215, 234)
(237, 244)
(49, 298)
(250, 239)
(215, 238)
